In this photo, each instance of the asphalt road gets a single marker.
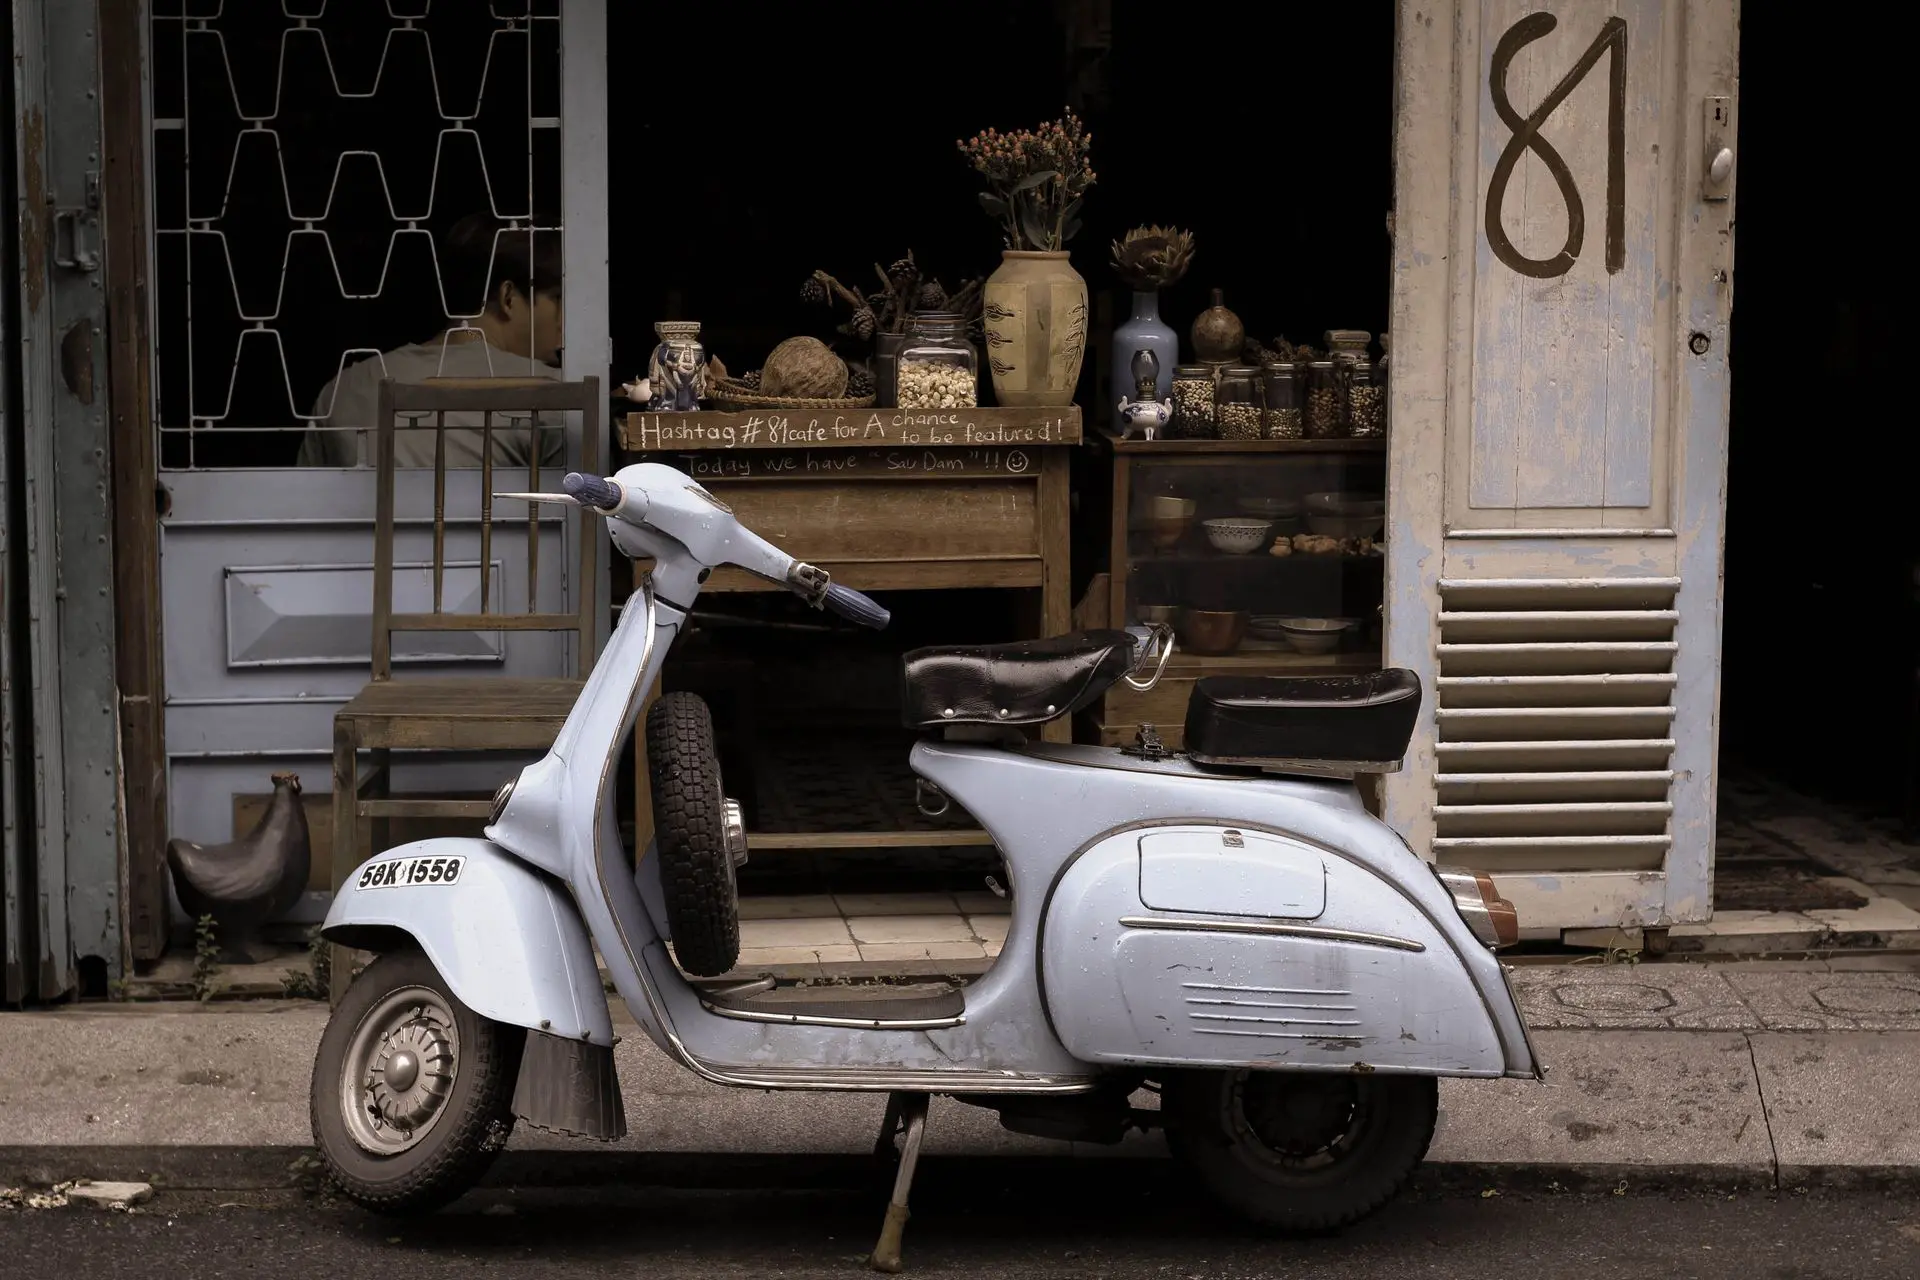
(1045, 1219)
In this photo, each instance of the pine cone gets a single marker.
(813, 292)
(861, 324)
(750, 380)
(932, 297)
(859, 381)
(903, 270)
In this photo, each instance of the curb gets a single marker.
(210, 1168)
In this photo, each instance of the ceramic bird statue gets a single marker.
(246, 882)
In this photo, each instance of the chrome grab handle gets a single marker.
(1159, 640)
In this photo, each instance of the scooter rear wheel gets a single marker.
(1300, 1151)
(690, 829)
(412, 1094)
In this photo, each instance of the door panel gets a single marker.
(305, 177)
(1560, 316)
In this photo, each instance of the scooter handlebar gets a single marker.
(856, 607)
(592, 491)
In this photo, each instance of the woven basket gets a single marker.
(728, 394)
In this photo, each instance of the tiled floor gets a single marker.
(820, 929)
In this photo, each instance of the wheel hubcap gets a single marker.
(399, 1071)
(1302, 1121)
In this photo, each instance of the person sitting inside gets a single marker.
(518, 334)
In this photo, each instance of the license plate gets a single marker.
(403, 872)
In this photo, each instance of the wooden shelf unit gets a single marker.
(1122, 710)
(883, 500)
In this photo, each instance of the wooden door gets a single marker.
(1561, 296)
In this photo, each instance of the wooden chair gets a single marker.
(458, 713)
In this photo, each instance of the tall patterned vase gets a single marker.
(1143, 331)
(1036, 323)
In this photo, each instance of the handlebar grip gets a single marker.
(592, 491)
(856, 607)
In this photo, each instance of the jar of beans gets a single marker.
(1193, 402)
(1325, 418)
(1237, 403)
(1366, 402)
(1280, 390)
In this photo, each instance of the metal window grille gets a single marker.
(308, 160)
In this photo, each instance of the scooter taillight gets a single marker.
(1490, 916)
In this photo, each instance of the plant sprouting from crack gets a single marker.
(206, 957)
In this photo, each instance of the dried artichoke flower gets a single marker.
(1153, 257)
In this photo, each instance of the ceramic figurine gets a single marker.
(640, 390)
(1143, 413)
(246, 882)
(677, 374)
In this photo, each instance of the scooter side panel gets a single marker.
(1369, 981)
(1049, 807)
(508, 940)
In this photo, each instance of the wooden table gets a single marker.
(884, 500)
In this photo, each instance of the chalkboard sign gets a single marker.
(849, 429)
(836, 464)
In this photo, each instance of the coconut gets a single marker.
(804, 368)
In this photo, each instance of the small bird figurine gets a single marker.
(246, 882)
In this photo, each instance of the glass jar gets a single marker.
(1280, 390)
(1366, 402)
(1237, 404)
(1193, 417)
(1325, 417)
(937, 368)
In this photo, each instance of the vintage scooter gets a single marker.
(1224, 930)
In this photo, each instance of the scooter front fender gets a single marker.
(507, 938)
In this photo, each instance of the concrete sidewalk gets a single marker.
(1747, 1074)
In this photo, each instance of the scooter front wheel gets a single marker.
(412, 1091)
(1297, 1150)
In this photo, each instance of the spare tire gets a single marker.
(690, 831)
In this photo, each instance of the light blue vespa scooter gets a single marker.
(1227, 927)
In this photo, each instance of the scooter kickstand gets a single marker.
(889, 1129)
(912, 1108)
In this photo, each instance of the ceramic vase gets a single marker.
(1036, 324)
(1144, 331)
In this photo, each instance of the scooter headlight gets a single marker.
(500, 798)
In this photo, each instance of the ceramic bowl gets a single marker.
(1237, 535)
(1346, 504)
(1266, 626)
(1269, 508)
(1171, 508)
(1158, 615)
(1204, 631)
(1166, 531)
(1315, 635)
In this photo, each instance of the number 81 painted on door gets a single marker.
(1526, 137)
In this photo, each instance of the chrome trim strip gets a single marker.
(1179, 924)
(816, 1020)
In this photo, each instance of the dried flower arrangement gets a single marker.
(1148, 259)
(1038, 177)
(904, 290)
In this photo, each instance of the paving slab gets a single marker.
(1653, 1099)
(1643, 996)
(1747, 932)
(1882, 922)
(1836, 1001)
(1841, 1100)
